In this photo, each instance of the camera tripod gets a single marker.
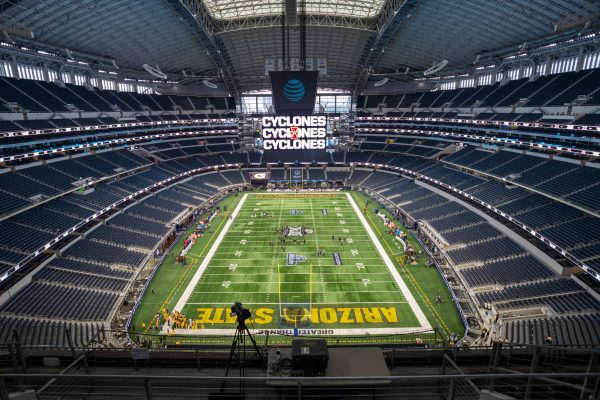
(237, 353)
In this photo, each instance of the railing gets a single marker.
(436, 386)
(519, 371)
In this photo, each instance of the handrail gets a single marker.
(204, 378)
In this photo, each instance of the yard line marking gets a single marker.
(196, 278)
(310, 286)
(293, 283)
(388, 262)
(279, 289)
(302, 291)
(301, 273)
(316, 303)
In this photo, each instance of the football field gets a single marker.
(306, 261)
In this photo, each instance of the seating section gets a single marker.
(569, 330)
(530, 289)
(72, 278)
(38, 96)
(92, 250)
(501, 272)
(568, 303)
(40, 224)
(552, 90)
(123, 237)
(137, 224)
(51, 334)
(54, 301)
(358, 175)
(29, 185)
(94, 268)
(489, 250)
(84, 284)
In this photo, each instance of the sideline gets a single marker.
(196, 278)
(393, 271)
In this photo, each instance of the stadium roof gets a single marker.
(225, 9)
(233, 40)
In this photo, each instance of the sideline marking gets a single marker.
(196, 278)
(388, 262)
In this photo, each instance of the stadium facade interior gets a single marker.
(417, 180)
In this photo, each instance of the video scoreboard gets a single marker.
(294, 133)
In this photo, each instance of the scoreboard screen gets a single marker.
(302, 138)
(294, 132)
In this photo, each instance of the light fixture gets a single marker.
(156, 72)
(522, 48)
(7, 37)
(381, 82)
(209, 84)
(436, 68)
(587, 25)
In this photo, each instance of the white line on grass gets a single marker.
(299, 273)
(337, 303)
(306, 331)
(196, 278)
(237, 292)
(336, 282)
(407, 294)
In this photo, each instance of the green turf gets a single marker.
(315, 293)
(171, 278)
(250, 266)
(424, 282)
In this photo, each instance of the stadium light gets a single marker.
(156, 72)
(381, 82)
(209, 84)
(436, 68)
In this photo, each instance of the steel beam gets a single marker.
(394, 12)
(195, 14)
(270, 21)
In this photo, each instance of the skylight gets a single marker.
(227, 9)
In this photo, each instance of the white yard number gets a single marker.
(359, 266)
(340, 215)
(342, 222)
(354, 252)
(349, 240)
(243, 241)
(346, 230)
(232, 267)
(226, 284)
(366, 282)
(256, 209)
(337, 209)
(238, 253)
(251, 223)
(247, 232)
